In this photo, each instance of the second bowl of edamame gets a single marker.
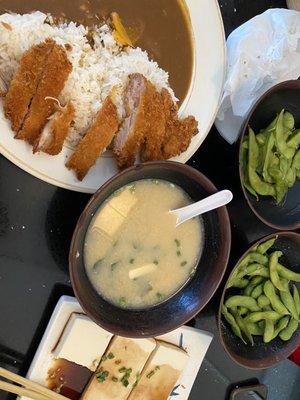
(269, 157)
(260, 307)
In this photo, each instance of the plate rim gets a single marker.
(183, 158)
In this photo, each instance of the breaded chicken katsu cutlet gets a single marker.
(96, 140)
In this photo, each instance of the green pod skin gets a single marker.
(242, 301)
(267, 151)
(288, 332)
(282, 146)
(287, 273)
(262, 315)
(260, 271)
(257, 291)
(232, 322)
(243, 327)
(244, 168)
(264, 247)
(261, 139)
(255, 329)
(296, 298)
(296, 161)
(269, 331)
(294, 141)
(288, 301)
(290, 177)
(288, 121)
(239, 283)
(242, 310)
(273, 261)
(247, 270)
(256, 280)
(263, 301)
(281, 324)
(275, 301)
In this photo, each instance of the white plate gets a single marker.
(202, 102)
(194, 341)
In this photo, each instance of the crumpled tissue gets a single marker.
(261, 53)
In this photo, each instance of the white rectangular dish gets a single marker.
(193, 341)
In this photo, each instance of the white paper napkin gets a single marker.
(261, 53)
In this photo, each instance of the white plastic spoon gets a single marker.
(200, 207)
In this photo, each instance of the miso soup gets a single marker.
(135, 256)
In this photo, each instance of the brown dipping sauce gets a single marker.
(68, 378)
(162, 25)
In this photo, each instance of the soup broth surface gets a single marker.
(135, 256)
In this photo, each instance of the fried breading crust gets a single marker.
(54, 77)
(58, 127)
(25, 82)
(96, 140)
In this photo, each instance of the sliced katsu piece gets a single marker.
(52, 82)
(133, 130)
(164, 142)
(55, 131)
(25, 82)
(156, 129)
(96, 140)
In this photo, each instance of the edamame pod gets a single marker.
(281, 324)
(242, 301)
(275, 301)
(288, 120)
(243, 310)
(263, 301)
(288, 332)
(296, 298)
(288, 301)
(269, 331)
(262, 315)
(296, 161)
(294, 141)
(257, 291)
(239, 283)
(273, 261)
(243, 327)
(282, 146)
(265, 246)
(287, 273)
(255, 329)
(267, 151)
(232, 322)
(260, 271)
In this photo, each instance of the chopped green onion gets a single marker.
(159, 296)
(178, 253)
(118, 362)
(125, 382)
(103, 358)
(151, 373)
(131, 260)
(132, 189)
(114, 379)
(122, 301)
(113, 265)
(123, 369)
(177, 242)
(183, 263)
(101, 376)
(157, 368)
(155, 181)
(110, 356)
(155, 262)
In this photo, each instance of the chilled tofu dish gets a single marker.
(90, 85)
(90, 363)
(135, 256)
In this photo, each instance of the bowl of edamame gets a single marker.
(269, 157)
(260, 307)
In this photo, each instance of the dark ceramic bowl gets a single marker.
(193, 296)
(263, 355)
(285, 216)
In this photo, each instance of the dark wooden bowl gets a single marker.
(285, 216)
(193, 296)
(263, 355)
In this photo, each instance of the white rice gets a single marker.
(95, 71)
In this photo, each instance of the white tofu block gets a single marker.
(123, 354)
(114, 213)
(82, 342)
(141, 271)
(161, 373)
